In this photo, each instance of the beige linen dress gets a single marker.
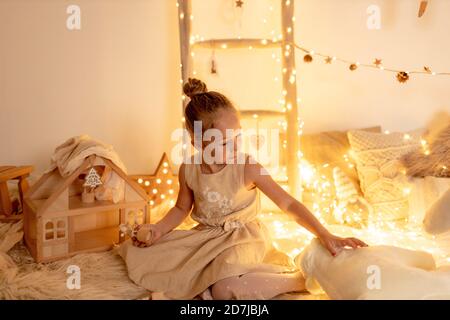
(228, 241)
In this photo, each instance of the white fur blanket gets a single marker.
(376, 272)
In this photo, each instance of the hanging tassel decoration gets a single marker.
(213, 64)
(422, 8)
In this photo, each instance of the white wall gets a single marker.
(117, 78)
(335, 97)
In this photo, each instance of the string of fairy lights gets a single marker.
(311, 176)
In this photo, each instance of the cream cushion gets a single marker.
(376, 272)
(379, 168)
(424, 192)
(437, 217)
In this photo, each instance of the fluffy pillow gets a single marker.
(377, 272)
(434, 157)
(383, 182)
(437, 217)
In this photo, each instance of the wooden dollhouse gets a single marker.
(61, 219)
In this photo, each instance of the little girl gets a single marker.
(229, 254)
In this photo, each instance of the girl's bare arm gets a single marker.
(257, 176)
(176, 215)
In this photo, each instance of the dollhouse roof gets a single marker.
(50, 195)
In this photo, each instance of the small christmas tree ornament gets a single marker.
(92, 180)
(402, 76)
(353, 67)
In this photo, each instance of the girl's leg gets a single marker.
(258, 285)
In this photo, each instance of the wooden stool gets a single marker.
(12, 173)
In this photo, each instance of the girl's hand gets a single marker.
(335, 244)
(146, 235)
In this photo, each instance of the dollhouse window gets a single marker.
(60, 229)
(52, 232)
(49, 227)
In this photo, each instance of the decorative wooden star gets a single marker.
(328, 60)
(239, 3)
(378, 62)
(161, 186)
(427, 69)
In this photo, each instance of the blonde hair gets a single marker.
(203, 105)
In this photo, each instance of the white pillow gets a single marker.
(437, 217)
(403, 274)
(379, 169)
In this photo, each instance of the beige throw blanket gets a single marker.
(70, 155)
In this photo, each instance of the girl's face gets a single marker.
(222, 142)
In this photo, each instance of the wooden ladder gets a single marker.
(187, 44)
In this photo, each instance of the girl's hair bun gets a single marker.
(194, 86)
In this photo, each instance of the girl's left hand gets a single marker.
(335, 244)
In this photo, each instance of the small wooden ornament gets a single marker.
(402, 77)
(353, 67)
(87, 196)
(328, 60)
(378, 62)
(308, 58)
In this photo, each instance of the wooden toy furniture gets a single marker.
(12, 173)
(58, 224)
